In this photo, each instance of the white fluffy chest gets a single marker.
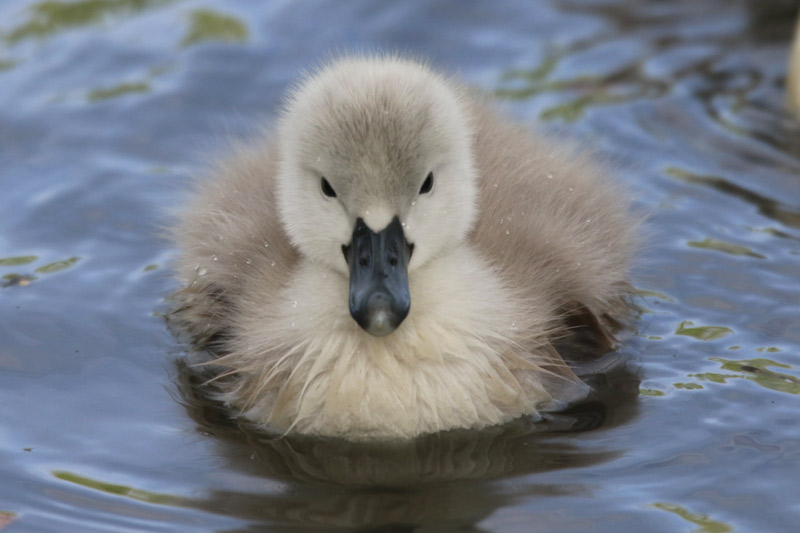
(454, 362)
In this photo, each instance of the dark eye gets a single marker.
(427, 185)
(327, 190)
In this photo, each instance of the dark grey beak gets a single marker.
(379, 296)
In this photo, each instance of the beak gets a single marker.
(379, 295)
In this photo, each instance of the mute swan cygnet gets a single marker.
(398, 260)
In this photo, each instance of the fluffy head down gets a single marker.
(375, 129)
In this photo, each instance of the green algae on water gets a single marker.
(702, 333)
(755, 370)
(687, 386)
(18, 261)
(207, 25)
(50, 17)
(57, 265)
(725, 247)
(707, 525)
(647, 293)
(97, 95)
(16, 280)
(118, 490)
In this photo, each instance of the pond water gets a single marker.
(109, 106)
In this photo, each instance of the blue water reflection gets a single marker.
(109, 107)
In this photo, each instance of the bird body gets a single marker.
(399, 259)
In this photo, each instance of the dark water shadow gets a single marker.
(787, 215)
(773, 21)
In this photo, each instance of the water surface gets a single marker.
(110, 106)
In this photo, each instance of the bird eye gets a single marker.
(327, 190)
(427, 185)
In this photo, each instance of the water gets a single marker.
(108, 107)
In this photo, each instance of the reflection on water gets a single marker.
(588, 90)
(107, 103)
(444, 480)
(788, 215)
(440, 479)
(518, 447)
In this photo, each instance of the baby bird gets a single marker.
(398, 259)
